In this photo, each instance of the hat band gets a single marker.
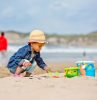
(40, 41)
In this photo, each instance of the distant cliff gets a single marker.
(89, 40)
(16, 37)
(54, 39)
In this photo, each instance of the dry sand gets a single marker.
(43, 87)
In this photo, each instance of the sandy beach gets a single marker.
(56, 37)
(41, 86)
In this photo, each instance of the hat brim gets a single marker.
(38, 41)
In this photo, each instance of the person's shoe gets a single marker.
(16, 75)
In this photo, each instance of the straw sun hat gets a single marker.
(37, 36)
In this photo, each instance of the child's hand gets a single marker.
(47, 69)
(27, 64)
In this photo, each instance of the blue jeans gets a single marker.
(29, 69)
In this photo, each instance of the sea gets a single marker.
(61, 53)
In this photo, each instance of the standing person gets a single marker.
(23, 60)
(84, 55)
(3, 48)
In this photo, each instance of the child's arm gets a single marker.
(20, 55)
(40, 61)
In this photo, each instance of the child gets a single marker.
(23, 59)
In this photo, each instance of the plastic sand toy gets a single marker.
(54, 75)
(71, 72)
(87, 66)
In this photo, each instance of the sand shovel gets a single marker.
(54, 74)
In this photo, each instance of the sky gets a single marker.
(51, 16)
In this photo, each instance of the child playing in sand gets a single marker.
(23, 60)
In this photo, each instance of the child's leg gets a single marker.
(30, 69)
(19, 70)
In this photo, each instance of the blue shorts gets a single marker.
(29, 69)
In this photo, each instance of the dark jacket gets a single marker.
(25, 53)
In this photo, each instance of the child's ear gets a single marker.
(29, 43)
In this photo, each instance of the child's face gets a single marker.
(37, 46)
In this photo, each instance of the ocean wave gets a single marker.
(58, 50)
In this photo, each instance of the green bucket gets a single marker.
(71, 72)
